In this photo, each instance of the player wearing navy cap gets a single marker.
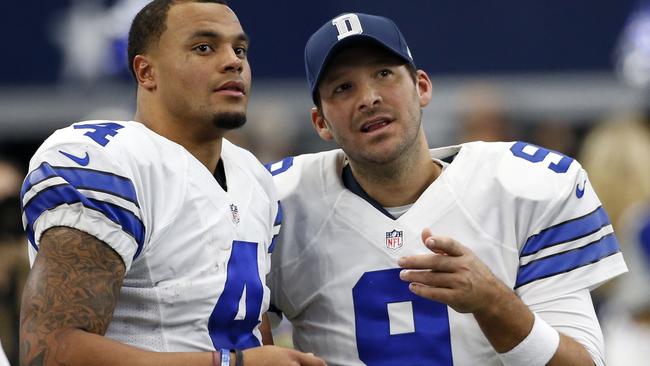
(394, 254)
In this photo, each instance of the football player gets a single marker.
(149, 239)
(395, 254)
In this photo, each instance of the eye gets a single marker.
(341, 88)
(385, 73)
(203, 49)
(241, 51)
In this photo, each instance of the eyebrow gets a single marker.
(378, 61)
(241, 37)
(330, 78)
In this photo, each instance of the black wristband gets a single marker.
(239, 358)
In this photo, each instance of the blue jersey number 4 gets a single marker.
(230, 326)
(396, 327)
(99, 131)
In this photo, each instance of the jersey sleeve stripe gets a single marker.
(567, 261)
(84, 179)
(566, 231)
(56, 196)
(42, 173)
(280, 166)
(567, 246)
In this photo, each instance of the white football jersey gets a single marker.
(529, 213)
(196, 256)
(3, 357)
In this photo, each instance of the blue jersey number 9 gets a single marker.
(419, 335)
(559, 163)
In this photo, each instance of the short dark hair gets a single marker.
(150, 23)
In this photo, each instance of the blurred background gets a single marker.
(572, 76)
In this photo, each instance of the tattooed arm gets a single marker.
(68, 303)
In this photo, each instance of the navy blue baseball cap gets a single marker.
(345, 29)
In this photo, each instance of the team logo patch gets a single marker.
(235, 213)
(394, 239)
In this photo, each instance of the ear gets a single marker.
(144, 72)
(320, 125)
(424, 88)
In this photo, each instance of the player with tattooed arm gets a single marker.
(149, 239)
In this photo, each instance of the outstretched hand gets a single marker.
(451, 274)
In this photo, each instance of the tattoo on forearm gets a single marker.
(74, 284)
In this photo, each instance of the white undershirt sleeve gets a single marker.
(573, 315)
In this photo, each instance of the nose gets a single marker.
(231, 62)
(369, 96)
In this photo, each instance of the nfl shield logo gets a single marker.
(235, 213)
(394, 239)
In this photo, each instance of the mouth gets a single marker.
(375, 124)
(233, 88)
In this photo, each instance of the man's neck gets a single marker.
(204, 145)
(401, 182)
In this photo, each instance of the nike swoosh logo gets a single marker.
(83, 161)
(581, 191)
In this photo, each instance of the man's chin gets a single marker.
(229, 120)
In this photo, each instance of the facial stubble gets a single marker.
(229, 120)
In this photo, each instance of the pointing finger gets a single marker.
(432, 262)
(429, 278)
(441, 244)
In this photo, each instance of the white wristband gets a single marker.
(536, 349)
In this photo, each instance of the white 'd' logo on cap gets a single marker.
(347, 25)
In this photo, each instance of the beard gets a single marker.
(229, 120)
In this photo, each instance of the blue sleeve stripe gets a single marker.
(567, 261)
(43, 172)
(566, 231)
(84, 179)
(56, 196)
(273, 241)
(275, 170)
(278, 217)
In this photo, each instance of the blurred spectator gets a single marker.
(484, 115)
(10, 179)
(93, 39)
(633, 49)
(271, 132)
(14, 263)
(626, 317)
(557, 135)
(616, 154)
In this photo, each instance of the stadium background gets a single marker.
(543, 71)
